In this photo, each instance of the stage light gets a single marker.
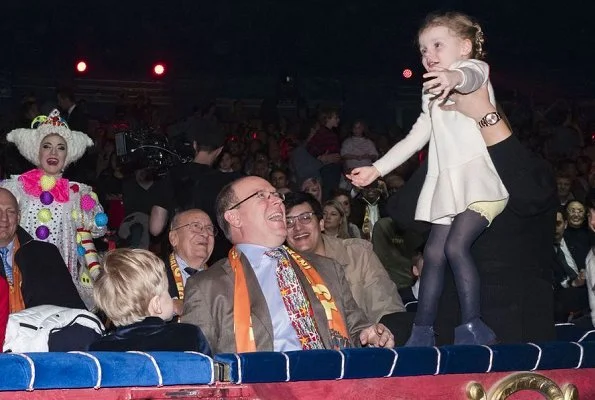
(407, 73)
(81, 66)
(159, 69)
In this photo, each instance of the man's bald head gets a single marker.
(7, 197)
(9, 217)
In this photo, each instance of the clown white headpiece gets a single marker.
(29, 140)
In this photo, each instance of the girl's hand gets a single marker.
(363, 176)
(441, 83)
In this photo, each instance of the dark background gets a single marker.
(527, 41)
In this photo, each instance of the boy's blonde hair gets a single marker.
(128, 280)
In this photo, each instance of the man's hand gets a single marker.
(580, 280)
(377, 335)
(441, 83)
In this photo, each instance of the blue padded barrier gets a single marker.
(415, 361)
(21, 372)
(465, 359)
(514, 357)
(264, 366)
(363, 363)
(568, 332)
(315, 365)
(559, 355)
(103, 369)
(110, 369)
(588, 354)
(587, 337)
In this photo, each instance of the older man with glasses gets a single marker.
(192, 237)
(265, 296)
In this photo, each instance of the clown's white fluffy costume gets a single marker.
(66, 214)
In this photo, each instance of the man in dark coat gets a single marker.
(35, 270)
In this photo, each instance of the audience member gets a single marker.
(35, 271)
(281, 300)
(576, 234)
(370, 284)
(192, 238)
(358, 150)
(194, 184)
(569, 281)
(132, 292)
(334, 220)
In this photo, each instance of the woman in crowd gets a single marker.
(335, 220)
(342, 197)
(358, 150)
(53, 209)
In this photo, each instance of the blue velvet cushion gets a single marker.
(314, 365)
(369, 362)
(464, 359)
(264, 366)
(514, 357)
(559, 355)
(414, 361)
(588, 336)
(74, 370)
(568, 332)
(20, 374)
(274, 367)
(588, 355)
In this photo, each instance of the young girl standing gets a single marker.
(462, 192)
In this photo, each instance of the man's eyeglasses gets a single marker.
(197, 227)
(262, 195)
(304, 218)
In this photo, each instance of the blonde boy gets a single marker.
(132, 291)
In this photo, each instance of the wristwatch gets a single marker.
(489, 120)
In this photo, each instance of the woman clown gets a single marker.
(53, 209)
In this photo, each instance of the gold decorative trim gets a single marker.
(522, 381)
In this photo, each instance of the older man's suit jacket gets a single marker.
(45, 277)
(209, 297)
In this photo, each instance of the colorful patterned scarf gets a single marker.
(243, 319)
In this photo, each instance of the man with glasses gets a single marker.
(266, 297)
(373, 290)
(192, 238)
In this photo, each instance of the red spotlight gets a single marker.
(159, 69)
(81, 66)
(407, 73)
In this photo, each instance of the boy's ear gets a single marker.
(155, 306)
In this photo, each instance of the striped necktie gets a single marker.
(7, 269)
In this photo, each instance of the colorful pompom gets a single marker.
(94, 196)
(80, 250)
(42, 232)
(87, 202)
(79, 238)
(75, 214)
(74, 187)
(44, 215)
(47, 183)
(46, 198)
(101, 219)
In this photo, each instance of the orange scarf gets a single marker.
(241, 304)
(173, 264)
